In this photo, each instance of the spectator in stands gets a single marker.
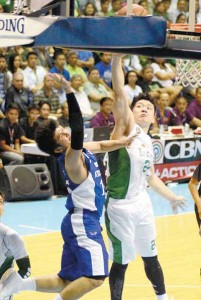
(154, 88)
(181, 7)
(48, 93)
(10, 136)
(44, 58)
(135, 64)
(14, 65)
(160, 10)
(181, 18)
(85, 60)
(44, 111)
(145, 4)
(104, 67)
(64, 119)
(181, 105)
(164, 114)
(103, 12)
(72, 65)
(130, 87)
(33, 74)
(180, 109)
(164, 73)
(82, 3)
(4, 81)
(89, 10)
(19, 94)
(29, 123)
(59, 63)
(116, 6)
(81, 96)
(22, 52)
(194, 107)
(95, 90)
(104, 117)
(147, 83)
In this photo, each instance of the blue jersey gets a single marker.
(90, 194)
(84, 252)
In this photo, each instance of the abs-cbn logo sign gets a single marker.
(184, 150)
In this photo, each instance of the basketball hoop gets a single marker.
(188, 71)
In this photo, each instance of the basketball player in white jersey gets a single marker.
(12, 248)
(129, 215)
(84, 264)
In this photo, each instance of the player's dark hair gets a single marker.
(44, 136)
(142, 96)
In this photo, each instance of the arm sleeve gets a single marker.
(15, 244)
(75, 122)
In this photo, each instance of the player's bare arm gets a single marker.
(158, 186)
(124, 120)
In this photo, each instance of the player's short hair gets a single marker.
(142, 96)
(44, 136)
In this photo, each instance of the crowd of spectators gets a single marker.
(29, 94)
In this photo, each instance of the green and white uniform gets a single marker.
(129, 214)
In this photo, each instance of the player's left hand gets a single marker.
(178, 202)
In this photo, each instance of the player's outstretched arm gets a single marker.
(121, 110)
(159, 187)
(108, 146)
(73, 159)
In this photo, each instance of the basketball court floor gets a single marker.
(179, 247)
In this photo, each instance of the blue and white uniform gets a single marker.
(84, 251)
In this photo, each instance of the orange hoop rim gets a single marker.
(184, 27)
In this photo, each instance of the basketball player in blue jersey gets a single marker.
(129, 214)
(84, 263)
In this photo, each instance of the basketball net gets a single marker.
(188, 71)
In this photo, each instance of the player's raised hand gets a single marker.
(178, 202)
(61, 81)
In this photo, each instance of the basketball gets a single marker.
(137, 10)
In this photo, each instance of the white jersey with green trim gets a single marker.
(128, 168)
(11, 244)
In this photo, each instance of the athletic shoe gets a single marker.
(10, 283)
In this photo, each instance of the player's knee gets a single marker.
(96, 282)
(151, 262)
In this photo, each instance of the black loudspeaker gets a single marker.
(24, 182)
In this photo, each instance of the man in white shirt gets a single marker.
(81, 96)
(33, 74)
